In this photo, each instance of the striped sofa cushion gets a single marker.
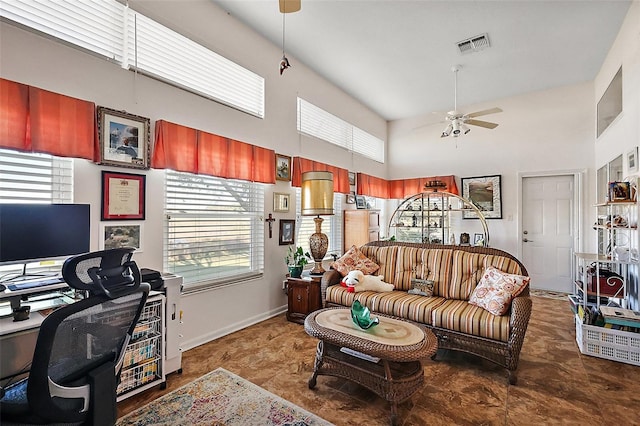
(436, 265)
(397, 303)
(459, 315)
(466, 272)
(505, 264)
(386, 257)
(409, 264)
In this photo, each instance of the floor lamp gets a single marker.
(317, 200)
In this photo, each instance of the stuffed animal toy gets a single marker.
(356, 281)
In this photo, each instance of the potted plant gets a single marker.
(296, 260)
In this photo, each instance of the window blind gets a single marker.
(96, 26)
(156, 50)
(316, 122)
(214, 231)
(112, 30)
(35, 178)
(331, 226)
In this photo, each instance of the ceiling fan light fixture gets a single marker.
(456, 128)
(446, 132)
(464, 128)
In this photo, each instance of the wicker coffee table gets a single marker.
(396, 346)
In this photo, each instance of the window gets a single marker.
(113, 31)
(34, 178)
(331, 226)
(314, 121)
(214, 231)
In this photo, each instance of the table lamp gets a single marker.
(317, 200)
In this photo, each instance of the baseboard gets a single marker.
(206, 338)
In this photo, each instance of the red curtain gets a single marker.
(36, 120)
(189, 150)
(340, 175)
(372, 186)
(401, 188)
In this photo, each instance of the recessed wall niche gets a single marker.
(610, 104)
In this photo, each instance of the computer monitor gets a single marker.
(35, 232)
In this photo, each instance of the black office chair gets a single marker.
(80, 347)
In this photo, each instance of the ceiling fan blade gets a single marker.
(289, 6)
(483, 112)
(485, 124)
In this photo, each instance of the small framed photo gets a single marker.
(632, 160)
(123, 196)
(619, 191)
(281, 202)
(121, 235)
(478, 239)
(124, 139)
(361, 202)
(352, 178)
(351, 198)
(287, 231)
(283, 167)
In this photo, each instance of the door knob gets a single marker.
(527, 240)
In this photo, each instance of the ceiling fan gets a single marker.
(289, 6)
(458, 121)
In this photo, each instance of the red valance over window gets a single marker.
(189, 150)
(400, 188)
(36, 120)
(302, 165)
(372, 186)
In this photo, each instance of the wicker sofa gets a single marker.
(455, 271)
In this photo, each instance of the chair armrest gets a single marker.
(518, 322)
(329, 278)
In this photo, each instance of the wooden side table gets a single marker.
(303, 297)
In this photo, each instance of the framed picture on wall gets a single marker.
(485, 193)
(124, 139)
(123, 196)
(361, 202)
(632, 160)
(352, 178)
(281, 202)
(283, 167)
(287, 231)
(120, 235)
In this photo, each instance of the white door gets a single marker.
(547, 231)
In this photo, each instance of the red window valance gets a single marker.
(185, 149)
(400, 188)
(340, 175)
(36, 120)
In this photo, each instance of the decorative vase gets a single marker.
(295, 271)
(362, 317)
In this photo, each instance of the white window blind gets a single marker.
(316, 122)
(331, 226)
(35, 178)
(160, 52)
(214, 231)
(96, 26)
(112, 30)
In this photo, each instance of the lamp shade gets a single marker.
(317, 193)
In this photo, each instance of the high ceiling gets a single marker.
(396, 56)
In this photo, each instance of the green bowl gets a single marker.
(362, 317)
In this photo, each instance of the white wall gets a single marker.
(547, 131)
(37, 61)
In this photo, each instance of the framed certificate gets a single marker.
(123, 196)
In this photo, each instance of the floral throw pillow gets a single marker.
(353, 260)
(496, 290)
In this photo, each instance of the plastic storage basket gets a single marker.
(616, 345)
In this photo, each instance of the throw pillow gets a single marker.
(496, 290)
(353, 260)
(422, 287)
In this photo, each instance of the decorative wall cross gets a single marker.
(270, 220)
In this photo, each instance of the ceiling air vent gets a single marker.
(474, 44)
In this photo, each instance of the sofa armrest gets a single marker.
(518, 321)
(329, 278)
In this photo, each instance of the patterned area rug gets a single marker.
(549, 294)
(221, 398)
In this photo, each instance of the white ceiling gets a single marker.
(396, 56)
